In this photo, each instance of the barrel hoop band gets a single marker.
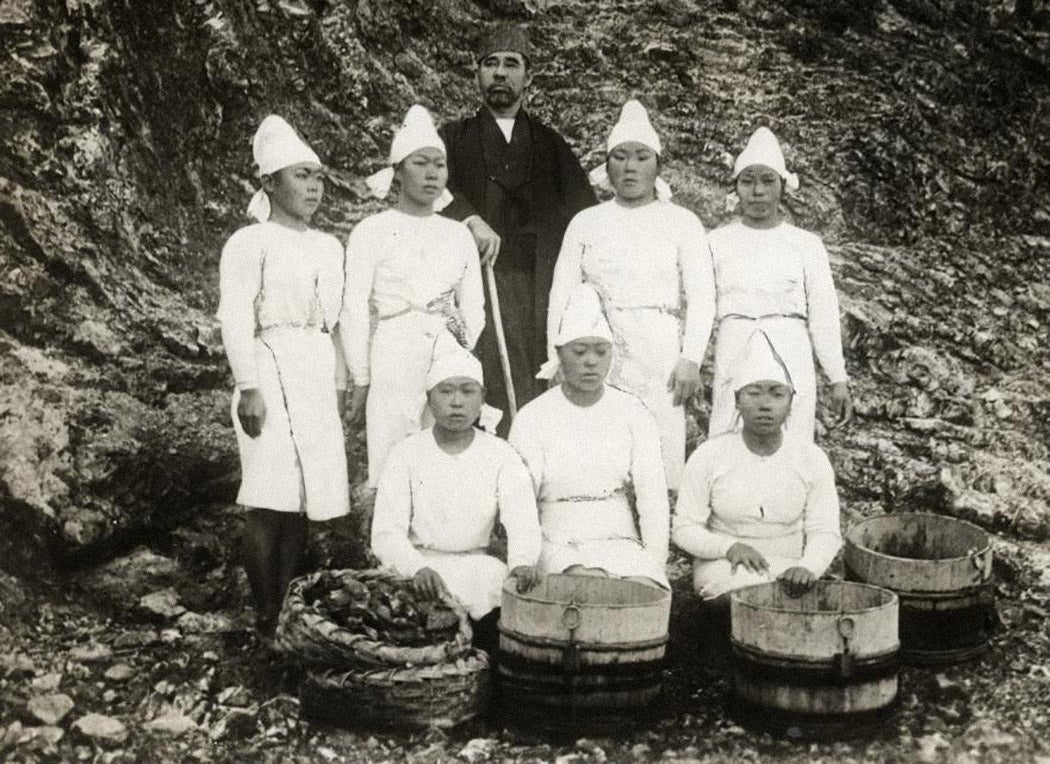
(944, 657)
(985, 592)
(811, 726)
(981, 600)
(530, 667)
(576, 686)
(985, 588)
(937, 630)
(754, 665)
(597, 647)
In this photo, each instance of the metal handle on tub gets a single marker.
(982, 561)
(845, 658)
(570, 656)
(570, 617)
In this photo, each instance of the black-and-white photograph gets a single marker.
(570, 381)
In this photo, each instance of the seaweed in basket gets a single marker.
(386, 612)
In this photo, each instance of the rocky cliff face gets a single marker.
(920, 129)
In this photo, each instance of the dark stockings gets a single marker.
(486, 637)
(486, 633)
(715, 632)
(274, 543)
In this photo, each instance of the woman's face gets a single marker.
(632, 169)
(296, 191)
(585, 363)
(759, 188)
(764, 406)
(456, 403)
(422, 176)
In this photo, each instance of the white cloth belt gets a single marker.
(302, 327)
(587, 518)
(764, 317)
(442, 305)
(411, 308)
(671, 310)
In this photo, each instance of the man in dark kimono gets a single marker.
(517, 185)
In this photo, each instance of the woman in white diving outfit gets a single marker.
(419, 272)
(280, 285)
(441, 493)
(755, 506)
(648, 260)
(776, 277)
(594, 455)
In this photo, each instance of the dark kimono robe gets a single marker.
(527, 191)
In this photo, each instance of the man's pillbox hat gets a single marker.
(505, 38)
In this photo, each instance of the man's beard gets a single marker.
(500, 98)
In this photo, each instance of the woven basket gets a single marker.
(306, 634)
(404, 699)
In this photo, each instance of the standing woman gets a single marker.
(648, 260)
(280, 286)
(774, 276)
(594, 455)
(420, 273)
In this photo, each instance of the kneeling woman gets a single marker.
(594, 455)
(752, 507)
(441, 492)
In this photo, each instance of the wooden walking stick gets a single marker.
(501, 340)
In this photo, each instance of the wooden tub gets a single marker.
(582, 651)
(941, 569)
(820, 665)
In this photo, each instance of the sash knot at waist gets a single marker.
(443, 306)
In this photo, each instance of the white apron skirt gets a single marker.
(298, 461)
(597, 533)
(790, 338)
(474, 578)
(712, 578)
(402, 349)
(648, 346)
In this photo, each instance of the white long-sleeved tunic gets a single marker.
(421, 276)
(397, 264)
(586, 462)
(271, 275)
(652, 268)
(280, 293)
(777, 279)
(784, 505)
(438, 510)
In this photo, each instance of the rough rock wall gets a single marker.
(125, 165)
(919, 128)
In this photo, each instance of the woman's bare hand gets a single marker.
(251, 412)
